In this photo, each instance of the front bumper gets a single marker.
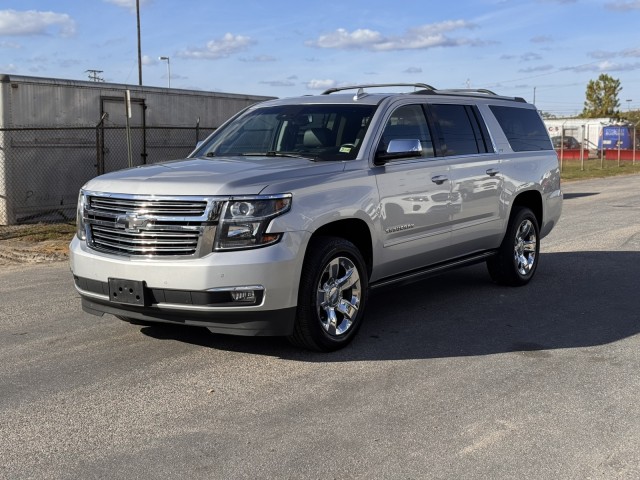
(195, 291)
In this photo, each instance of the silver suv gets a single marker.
(288, 216)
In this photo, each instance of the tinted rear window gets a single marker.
(523, 128)
(458, 135)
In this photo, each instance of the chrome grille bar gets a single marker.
(149, 207)
(144, 238)
(137, 225)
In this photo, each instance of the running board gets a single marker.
(417, 275)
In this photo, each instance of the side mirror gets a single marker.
(399, 148)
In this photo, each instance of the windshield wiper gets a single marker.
(273, 153)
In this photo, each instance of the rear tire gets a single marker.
(517, 258)
(332, 296)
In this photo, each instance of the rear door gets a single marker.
(474, 174)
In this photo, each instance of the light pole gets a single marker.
(168, 68)
(139, 46)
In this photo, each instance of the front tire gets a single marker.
(332, 297)
(516, 261)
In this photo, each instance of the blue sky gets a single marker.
(550, 48)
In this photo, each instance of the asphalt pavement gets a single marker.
(450, 378)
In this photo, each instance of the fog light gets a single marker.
(247, 296)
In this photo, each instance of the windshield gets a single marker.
(319, 132)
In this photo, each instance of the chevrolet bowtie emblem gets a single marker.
(132, 223)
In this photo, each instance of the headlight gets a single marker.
(80, 230)
(244, 222)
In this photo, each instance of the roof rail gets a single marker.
(422, 86)
(469, 90)
(478, 91)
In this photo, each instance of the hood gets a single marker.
(210, 176)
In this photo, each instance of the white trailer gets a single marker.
(584, 130)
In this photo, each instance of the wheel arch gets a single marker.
(354, 230)
(532, 199)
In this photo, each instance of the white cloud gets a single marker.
(623, 5)
(542, 39)
(422, 37)
(128, 4)
(259, 59)
(11, 45)
(147, 60)
(413, 70)
(530, 56)
(321, 84)
(31, 22)
(607, 66)
(220, 48)
(604, 55)
(341, 38)
(442, 27)
(278, 83)
(524, 57)
(601, 54)
(541, 68)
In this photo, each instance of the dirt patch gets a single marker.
(41, 243)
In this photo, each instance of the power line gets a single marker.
(94, 75)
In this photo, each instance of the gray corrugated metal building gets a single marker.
(41, 171)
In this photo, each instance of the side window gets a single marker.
(523, 127)
(408, 123)
(457, 129)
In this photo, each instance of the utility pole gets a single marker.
(94, 75)
(139, 47)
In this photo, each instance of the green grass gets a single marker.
(594, 168)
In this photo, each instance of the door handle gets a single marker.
(492, 172)
(439, 179)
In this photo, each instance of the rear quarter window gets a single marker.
(523, 128)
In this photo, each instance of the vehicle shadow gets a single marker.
(571, 196)
(578, 299)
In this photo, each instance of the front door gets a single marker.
(414, 198)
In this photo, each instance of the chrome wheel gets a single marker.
(516, 260)
(525, 248)
(332, 297)
(338, 296)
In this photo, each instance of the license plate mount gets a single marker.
(130, 292)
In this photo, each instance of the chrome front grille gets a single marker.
(151, 206)
(145, 242)
(151, 226)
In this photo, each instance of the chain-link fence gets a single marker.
(596, 145)
(42, 169)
